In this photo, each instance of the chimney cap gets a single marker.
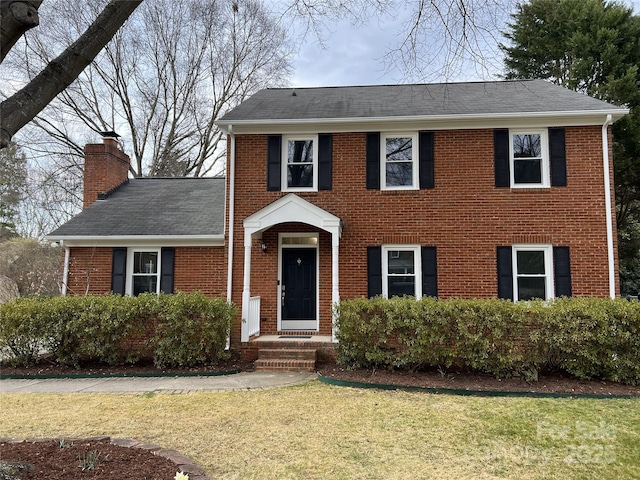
(110, 134)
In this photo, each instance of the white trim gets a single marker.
(129, 274)
(315, 246)
(548, 267)
(417, 267)
(65, 272)
(414, 160)
(607, 204)
(291, 208)
(231, 218)
(141, 240)
(285, 162)
(424, 122)
(545, 173)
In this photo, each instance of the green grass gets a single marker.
(317, 431)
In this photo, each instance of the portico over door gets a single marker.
(289, 208)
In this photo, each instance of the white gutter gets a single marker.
(607, 203)
(65, 272)
(618, 112)
(232, 190)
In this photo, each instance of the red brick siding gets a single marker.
(195, 269)
(465, 216)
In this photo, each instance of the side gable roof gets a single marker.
(185, 210)
(359, 104)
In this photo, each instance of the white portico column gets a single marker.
(335, 277)
(246, 288)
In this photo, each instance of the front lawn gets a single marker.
(317, 431)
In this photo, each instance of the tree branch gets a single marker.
(24, 105)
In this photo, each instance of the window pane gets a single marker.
(527, 171)
(400, 262)
(530, 262)
(399, 149)
(399, 174)
(300, 151)
(300, 175)
(399, 286)
(527, 146)
(145, 284)
(532, 287)
(145, 262)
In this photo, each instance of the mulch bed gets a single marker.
(53, 460)
(460, 380)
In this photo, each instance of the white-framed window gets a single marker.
(143, 271)
(529, 158)
(401, 271)
(533, 272)
(300, 163)
(399, 161)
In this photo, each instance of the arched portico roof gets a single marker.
(291, 208)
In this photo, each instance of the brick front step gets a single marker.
(285, 365)
(286, 359)
(287, 353)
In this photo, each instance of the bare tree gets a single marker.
(164, 79)
(436, 38)
(19, 109)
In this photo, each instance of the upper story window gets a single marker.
(300, 162)
(399, 161)
(533, 267)
(401, 271)
(529, 158)
(143, 272)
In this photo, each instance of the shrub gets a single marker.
(588, 338)
(186, 329)
(192, 329)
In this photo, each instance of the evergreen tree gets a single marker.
(13, 178)
(591, 46)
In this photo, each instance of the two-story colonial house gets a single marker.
(487, 189)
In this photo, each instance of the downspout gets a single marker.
(65, 271)
(232, 191)
(607, 203)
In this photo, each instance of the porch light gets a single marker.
(263, 246)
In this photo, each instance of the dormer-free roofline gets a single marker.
(423, 106)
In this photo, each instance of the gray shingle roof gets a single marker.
(422, 100)
(153, 207)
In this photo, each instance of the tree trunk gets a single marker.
(24, 105)
(16, 17)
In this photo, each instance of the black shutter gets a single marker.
(557, 157)
(325, 153)
(118, 270)
(501, 158)
(274, 161)
(167, 256)
(374, 271)
(426, 160)
(373, 160)
(429, 272)
(562, 271)
(505, 273)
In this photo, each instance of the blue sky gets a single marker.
(354, 56)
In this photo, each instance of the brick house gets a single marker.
(487, 189)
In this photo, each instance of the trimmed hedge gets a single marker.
(585, 337)
(176, 330)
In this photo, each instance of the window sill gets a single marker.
(531, 190)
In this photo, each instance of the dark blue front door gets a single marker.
(298, 288)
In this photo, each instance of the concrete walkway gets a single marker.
(140, 385)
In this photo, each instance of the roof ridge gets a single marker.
(410, 84)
